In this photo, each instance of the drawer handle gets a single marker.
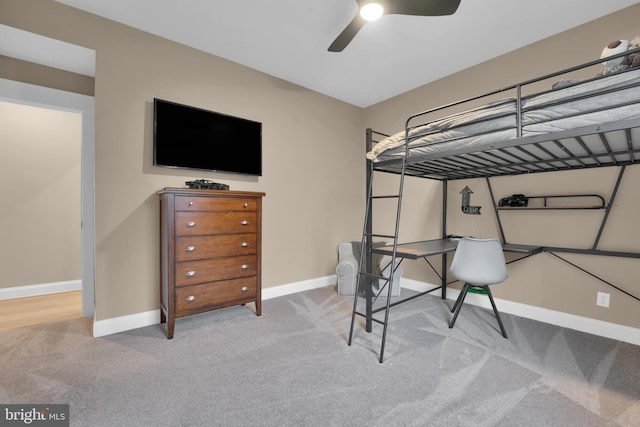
(244, 223)
(244, 288)
(191, 224)
(244, 244)
(191, 298)
(244, 266)
(246, 205)
(190, 203)
(191, 273)
(191, 248)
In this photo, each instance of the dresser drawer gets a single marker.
(190, 248)
(194, 204)
(212, 294)
(209, 270)
(200, 223)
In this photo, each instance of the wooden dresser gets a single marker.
(210, 251)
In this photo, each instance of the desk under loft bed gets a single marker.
(589, 123)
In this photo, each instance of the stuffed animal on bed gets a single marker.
(634, 58)
(624, 62)
(613, 65)
(617, 64)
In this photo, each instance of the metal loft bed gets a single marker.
(585, 124)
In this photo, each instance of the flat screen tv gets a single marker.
(193, 138)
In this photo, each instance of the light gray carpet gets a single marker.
(292, 367)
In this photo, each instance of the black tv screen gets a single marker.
(193, 138)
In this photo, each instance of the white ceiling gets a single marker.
(289, 38)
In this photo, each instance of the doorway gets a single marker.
(82, 107)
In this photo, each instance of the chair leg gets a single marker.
(455, 305)
(458, 305)
(495, 310)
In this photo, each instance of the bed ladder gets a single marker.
(366, 276)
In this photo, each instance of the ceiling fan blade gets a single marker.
(421, 7)
(347, 34)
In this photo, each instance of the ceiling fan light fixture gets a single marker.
(371, 11)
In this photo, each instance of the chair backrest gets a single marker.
(479, 262)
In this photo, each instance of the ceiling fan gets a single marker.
(370, 10)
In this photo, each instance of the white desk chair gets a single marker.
(478, 263)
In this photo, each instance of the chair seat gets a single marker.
(478, 263)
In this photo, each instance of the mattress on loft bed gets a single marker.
(612, 98)
(598, 101)
(489, 122)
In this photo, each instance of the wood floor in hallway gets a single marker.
(21, 312)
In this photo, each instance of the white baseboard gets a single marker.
(114, 325)
(41, 289)
(571, 321)
(295, 287)
(558, 318)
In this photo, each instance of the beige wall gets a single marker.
(543, 280)
(40, 183)
(26, 72)
(314, 198)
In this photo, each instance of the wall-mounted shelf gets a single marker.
(569, 201)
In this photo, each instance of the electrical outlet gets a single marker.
(603, 299)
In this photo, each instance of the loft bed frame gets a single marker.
(598, 143)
